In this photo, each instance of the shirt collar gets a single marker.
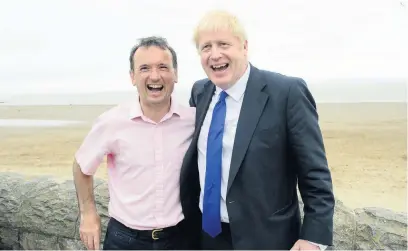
(135, 110)
(236, 91)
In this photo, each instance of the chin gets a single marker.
(156, 98)
(160, 99)
(221, 82)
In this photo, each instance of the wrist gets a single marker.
(88, 211)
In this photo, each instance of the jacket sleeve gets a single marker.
(314, 178)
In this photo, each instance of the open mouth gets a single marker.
(220, 67)
(155, 88)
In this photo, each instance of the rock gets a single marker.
(48, 208)
(36, 241)
(10, 199)
(102, 198)
(71, 244)
(380, 229)
(367, 228)
(9, 239)
(344, 227)
(43, 214)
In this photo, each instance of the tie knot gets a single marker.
(223, 95)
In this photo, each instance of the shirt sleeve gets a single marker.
(94, 147)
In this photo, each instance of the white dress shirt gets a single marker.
(233, 103)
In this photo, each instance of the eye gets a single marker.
(205, 47)
(144, 68)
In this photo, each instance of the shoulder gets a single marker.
(200, 82)
(187, 112)
(199, 85)
(113, 115)
(280, 81)
(288, 89)
(281, 86)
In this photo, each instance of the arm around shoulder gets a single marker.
(314, 178)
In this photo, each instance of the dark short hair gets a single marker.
(153, 41)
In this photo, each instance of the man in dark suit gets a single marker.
(257, 137)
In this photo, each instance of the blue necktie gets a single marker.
(212, 188)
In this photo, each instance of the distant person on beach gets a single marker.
(145, 142)
(257, 138)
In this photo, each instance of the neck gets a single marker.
(155, 112)
(244, 69)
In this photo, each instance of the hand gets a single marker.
(304, 245)
(90, 230)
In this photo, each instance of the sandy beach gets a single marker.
(365, 144)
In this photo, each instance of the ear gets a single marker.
(246, 47)
(175, 76)
(132, 77)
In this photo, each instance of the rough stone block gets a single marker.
(102, 202)
(9, 239)
(43, 214)
(48, 208)
(380, 229)
(35, 241)
(11, 186)
(70, 244)
(344, 227)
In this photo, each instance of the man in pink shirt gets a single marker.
(145, 142)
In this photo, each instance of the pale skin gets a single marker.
(152, 65)
(90, 225)
(304, 245)
(217, 48)
(220, 48)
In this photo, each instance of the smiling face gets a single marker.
(154, 75)
(223, 56)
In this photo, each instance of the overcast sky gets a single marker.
(82, 46)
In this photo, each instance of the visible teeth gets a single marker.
(219, 66)
(155, 86)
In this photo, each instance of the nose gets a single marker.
(215, 53)
(155, 75)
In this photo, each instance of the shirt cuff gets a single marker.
(321, 247)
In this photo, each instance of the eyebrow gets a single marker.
(160, 64)
(216, 42)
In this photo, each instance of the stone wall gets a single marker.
(42, 214)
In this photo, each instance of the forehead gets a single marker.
(152, 55)
(216, 36)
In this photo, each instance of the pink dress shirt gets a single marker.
(144, 162)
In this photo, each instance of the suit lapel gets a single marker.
(251, 110)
